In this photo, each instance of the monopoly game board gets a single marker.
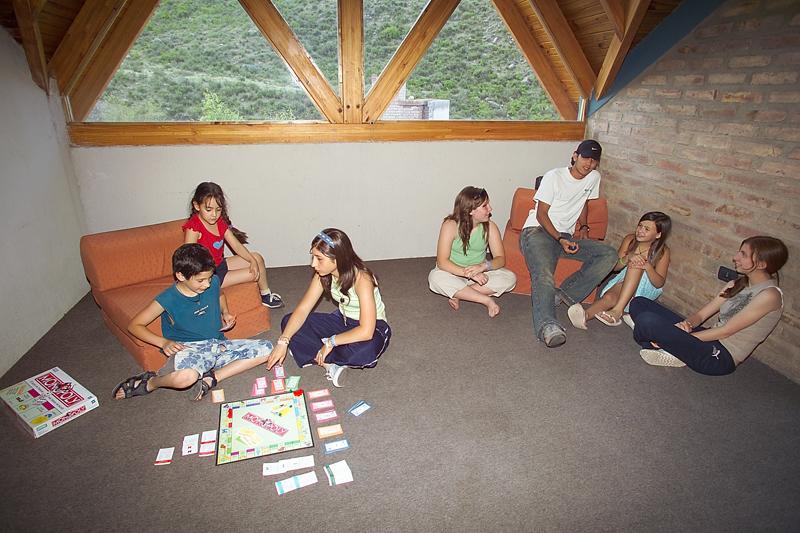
(263, 426)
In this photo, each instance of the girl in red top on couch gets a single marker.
(210, 226)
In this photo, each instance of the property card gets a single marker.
(296, 482)
(278, 371)
(164, 456)
(218, 395)
(323, 404)
(325, 416)
(358, 408)
(336, 446)
(316, 394)
(338, 473)
(257, 391)
(190, 444)
(292, 383)
(277, 386)
(329, 431)
(261, 382)
(280, 467)
(208, 443)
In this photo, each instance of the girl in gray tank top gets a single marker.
(749, 308)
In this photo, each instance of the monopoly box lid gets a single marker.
(48, 400)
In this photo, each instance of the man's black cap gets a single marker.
(590, 148)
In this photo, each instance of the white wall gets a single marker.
(42, 275)
(389, 197)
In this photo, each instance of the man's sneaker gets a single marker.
(272, 300)
(660, 358)
(628, 320)
(334, 374)
(553, 335)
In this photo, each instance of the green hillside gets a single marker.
(206, 60)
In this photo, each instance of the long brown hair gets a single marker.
(768, 249)
(663, 226)
(336, 245)
(209, 189)
(469, 199)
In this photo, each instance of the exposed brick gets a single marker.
(765, 23)
(636, 118)
(612, 116)
(715, 30)
(664, 122)
(756, 149)
(700, 94)
(696, 125)
(749, 61)
(781, 133)
(740, 8)
(667, 93)
(737, 162)
(795, 154)
(733, 128)
(776, 42)
(795, 20)
(619, 129)
(655, 79)
(791, 58)
(693, 154)
(705, 172)
(774, 78)
(681, 109)
(712, 141)
(649, 107)
(734, 211)
(679, 210)
(788, 97)
(671, 165)
(767, 115)
(671, 64)
(740, 96)
(704, 64)
(780, 168)
(690, 79)
(727, 78)
(639, 92)
(716, 113)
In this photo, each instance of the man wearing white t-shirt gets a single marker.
(547, 235)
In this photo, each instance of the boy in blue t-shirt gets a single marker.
(193, 316)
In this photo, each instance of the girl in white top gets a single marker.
(354, 335)
(749, 308)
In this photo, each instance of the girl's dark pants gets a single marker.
(655, 323)
(305, 344)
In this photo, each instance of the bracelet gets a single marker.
(283, 340)
(488, 265)
(329, 341)
(333, 341)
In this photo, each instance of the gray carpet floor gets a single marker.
(475, 426)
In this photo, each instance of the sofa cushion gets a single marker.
(122, 304)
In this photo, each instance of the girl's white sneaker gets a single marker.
(660, 358)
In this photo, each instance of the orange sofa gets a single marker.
(515, 261)
(127, 268)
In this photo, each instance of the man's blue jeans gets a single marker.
(541, 253)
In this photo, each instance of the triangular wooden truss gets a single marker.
(104, 30)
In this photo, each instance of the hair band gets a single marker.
(326, 238)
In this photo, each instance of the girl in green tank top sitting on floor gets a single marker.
(463, 271)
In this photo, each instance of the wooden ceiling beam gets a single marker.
(81, 41)
(32, 42)
(619, 48)
(273, 26)
(566, 44)
(351, 58)
(537, 59)
(109, 55)
(405, 59)
(616, 15)
(37, 6)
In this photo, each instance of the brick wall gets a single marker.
(710, 134)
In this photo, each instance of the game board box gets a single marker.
(47, 401)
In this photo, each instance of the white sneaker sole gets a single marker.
(661, 358)
(577, 315)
